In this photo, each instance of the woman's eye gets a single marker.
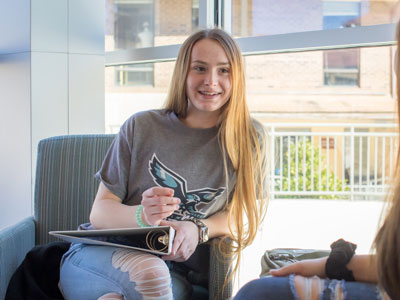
(225, 71)
(199, 69)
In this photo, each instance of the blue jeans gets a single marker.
(282, 288)
(87, 273)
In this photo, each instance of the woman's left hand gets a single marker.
(185, 241)
(306, 268)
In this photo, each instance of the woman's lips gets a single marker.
(209, 93)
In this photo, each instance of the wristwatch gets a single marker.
(203, 230)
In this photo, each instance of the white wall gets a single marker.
(51, 83)
(15, 136)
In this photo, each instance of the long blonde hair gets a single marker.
(387, 240)
(242, 140)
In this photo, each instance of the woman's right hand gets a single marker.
(158, 203)
(306, 268)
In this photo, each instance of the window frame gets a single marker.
(342, 38)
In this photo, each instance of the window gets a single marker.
(133, 24)
(341, 67)
(134, 75)
(195, 14)
(268, 17)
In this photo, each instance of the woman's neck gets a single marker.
(201, 121)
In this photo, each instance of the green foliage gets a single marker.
(310, 176)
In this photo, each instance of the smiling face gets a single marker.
(209, 81)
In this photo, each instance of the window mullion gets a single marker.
(207, 13)
(227, 15)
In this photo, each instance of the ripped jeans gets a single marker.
(283, 288)
(90, 272)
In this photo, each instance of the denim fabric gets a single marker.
(268, 288)
(351, 290)
(282, 288)
(87, 273)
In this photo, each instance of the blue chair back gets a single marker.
(65, 186)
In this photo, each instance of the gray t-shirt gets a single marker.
(154, 148)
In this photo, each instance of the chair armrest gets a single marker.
(219, 268)
(15, 242)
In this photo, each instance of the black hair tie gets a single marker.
(340, 256)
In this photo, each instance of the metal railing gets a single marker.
(332, 161)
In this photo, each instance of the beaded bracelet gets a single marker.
(139, 217)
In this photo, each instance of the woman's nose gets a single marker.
(210, 78)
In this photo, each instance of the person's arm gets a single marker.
(362, 266)
(217, 224)
(109, 212)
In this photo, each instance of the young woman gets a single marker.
(361, 277)
(196, 165)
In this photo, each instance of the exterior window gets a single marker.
(341, 67)
(195, 15)
(133, 21)
(132, 75)
(132, 24)
(134, 28)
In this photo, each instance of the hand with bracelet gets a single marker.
(185, 241)
(158, 203)
(320, 278)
